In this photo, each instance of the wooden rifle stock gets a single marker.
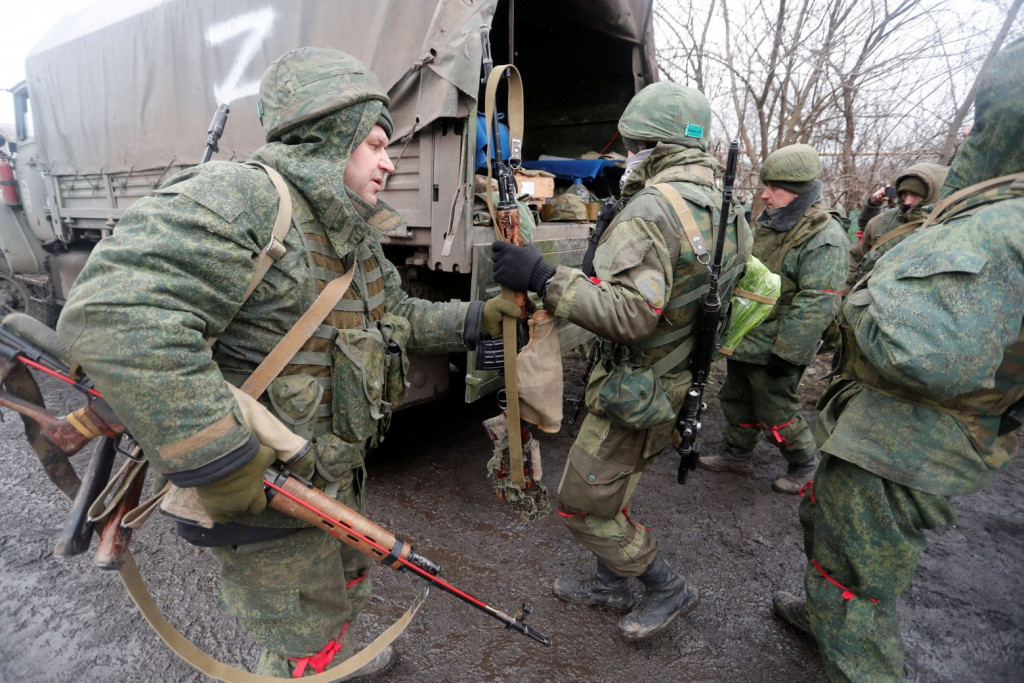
(68, 434)
(114, 538)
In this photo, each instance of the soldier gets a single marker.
(174, 274)
(642, 302)
(917, 189)
(802, 240)
(933, 351)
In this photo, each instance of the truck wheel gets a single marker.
(14, 295)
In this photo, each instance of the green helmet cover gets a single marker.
(794, 164)
(310, 82)
(668, 112)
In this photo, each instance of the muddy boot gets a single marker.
(605, 589)
(792, 610)
(666, 596)
(386, 659)
(731, 459)
(796, 476)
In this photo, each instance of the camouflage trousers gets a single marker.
(296, 594)
(753, 401)
(863, 536)
(603, 469)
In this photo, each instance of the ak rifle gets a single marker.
(709, 321)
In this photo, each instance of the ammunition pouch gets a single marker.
(626, 393)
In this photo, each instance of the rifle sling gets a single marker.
(184, 648)
(515, 125)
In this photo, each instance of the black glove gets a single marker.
(780, 367)
(520, 268)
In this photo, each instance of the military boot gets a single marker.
(731, 459)
(666, 596)
(792, 610)
(605, 589)
(796, 476)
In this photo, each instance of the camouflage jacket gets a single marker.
(174, 273)
(937, 354)
(813, 265)
(932, 175)
(644, 260)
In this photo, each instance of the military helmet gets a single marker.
(793, 168)
(667, 112)
(310, 82)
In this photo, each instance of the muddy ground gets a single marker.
(61, 619)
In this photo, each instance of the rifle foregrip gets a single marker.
(304, 501)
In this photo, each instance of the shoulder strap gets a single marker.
(686, 219)
(301, 331)
(893, 234)
(947, 204)
(275, 247)
(515, 124)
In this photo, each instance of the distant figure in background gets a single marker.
(917, 189)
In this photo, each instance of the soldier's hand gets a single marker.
(494, 311)
(239, 491)
(520, 268)
(779, 367)
(879, 196)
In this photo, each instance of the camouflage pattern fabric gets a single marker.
(932, 175)
(567, 207)
(811, 256)
(755, 402)
(935, 354)
(866, 534)
(667, 112)
(791, 164)
(172, 274)
(642, 262)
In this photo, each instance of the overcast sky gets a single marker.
(25, 23)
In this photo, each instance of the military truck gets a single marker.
(119, 97)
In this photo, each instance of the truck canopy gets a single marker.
(127, 85)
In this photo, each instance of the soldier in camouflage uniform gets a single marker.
(917, 189)
(643, 303)
(933, 361)
(802, 240)
(174, 274)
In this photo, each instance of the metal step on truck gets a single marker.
(119, 97)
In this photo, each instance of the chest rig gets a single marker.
(361, 306)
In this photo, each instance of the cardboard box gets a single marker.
(541, 187)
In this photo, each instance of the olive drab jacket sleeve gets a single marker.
(173, 273)
(633, 275)
(937, 319)
(819, 270)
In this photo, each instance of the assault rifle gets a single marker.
(710, 319)
(220, 117)
(286, 492)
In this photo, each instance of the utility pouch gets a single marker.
(368, 378)
(629, 395)
(295, 400)
(539, 369)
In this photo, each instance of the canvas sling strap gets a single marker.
(893, 234)
(939, 210)
(517, 472)
(257, 383)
